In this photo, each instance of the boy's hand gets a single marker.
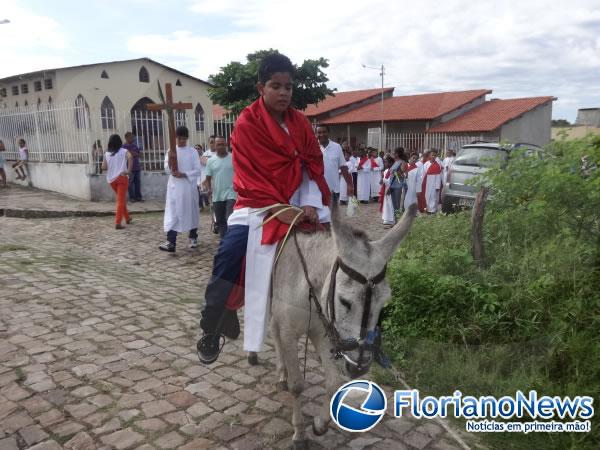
(310, 213)
(287, 216)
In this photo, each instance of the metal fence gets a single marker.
(417, 142)
(75, 133)
(46, 136)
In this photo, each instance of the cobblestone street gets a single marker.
(97, 349)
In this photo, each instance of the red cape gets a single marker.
(268, 162)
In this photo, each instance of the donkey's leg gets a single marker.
(289, 344)
(332, 382)
(281, 372)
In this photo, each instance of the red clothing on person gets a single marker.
(268, 161)
(120, 185)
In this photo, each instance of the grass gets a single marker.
(525, 323)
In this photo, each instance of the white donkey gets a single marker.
(334, 289)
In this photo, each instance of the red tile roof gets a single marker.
(491, 115)
(341, 99)
(218, 112)
(410, 107)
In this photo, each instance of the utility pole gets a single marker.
(381, 74)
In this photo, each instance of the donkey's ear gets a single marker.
(389, 243)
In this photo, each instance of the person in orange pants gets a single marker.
(118, 163)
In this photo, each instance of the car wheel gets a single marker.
(449, 204)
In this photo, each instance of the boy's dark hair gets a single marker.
(22, 140)
(212, 136)
(182, 131)
(389, 159)
(114, 143)
(274, 63)
(322, 125)
(129, 133)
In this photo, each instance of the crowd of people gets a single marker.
(279, 174)
(202, 179)
(395, 180)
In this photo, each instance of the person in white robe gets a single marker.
(343, 186)
(413, 181)
(260, 259)
(181, 205)
(376, 172)
(446, 164)
(364, 179)
(433, 183)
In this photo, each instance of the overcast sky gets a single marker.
(516, 48)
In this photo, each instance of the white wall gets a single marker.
(154, 186)
(65, 178)
(533, 127)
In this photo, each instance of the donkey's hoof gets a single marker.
(319, 426)
(252, 359)
(301, 445)
(282, 386)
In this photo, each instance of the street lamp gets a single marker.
(382, 73)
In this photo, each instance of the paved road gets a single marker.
(97, 335)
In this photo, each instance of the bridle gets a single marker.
(367, 338)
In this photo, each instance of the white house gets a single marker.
(62, 113)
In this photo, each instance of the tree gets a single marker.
(560, 123)
(235, 85)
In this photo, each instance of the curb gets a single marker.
(43, 214)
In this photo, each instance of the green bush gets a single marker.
(531, 320)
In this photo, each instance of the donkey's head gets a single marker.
(358, 289)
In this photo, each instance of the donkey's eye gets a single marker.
(346, 303)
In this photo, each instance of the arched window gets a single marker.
(144, 76)
(199, 117)
(104, 74)
(107, 114)
(26, 104)
(48, 117)
(178, 82)
(82, 112)
(148, 127)
(180, 117)
(39, 103)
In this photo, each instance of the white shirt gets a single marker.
(333, 159)
(355, 160)
(23, 153)
(117, 164)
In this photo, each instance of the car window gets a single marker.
(480, 156)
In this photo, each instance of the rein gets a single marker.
(341, 346)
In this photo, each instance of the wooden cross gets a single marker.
(169, 106)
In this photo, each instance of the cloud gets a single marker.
(515, 48)
(29, 42)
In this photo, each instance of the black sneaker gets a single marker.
(209, 347)
(230, 326)
(167, 247)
